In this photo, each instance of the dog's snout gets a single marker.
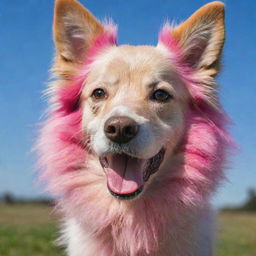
(121, 129)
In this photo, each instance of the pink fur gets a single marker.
(66, 152)
(176, 57)
(138, 227)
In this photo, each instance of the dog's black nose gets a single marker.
(121, 129)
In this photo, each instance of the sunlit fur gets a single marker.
(173, 215)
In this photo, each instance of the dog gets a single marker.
(136, 140)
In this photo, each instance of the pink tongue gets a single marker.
(124, 174)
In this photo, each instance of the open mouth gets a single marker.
(126, 175)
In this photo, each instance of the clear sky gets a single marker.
(26, 50)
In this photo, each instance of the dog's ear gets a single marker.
(201, 38)
(74, 29)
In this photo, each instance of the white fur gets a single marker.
(80, 242)
(201, 232)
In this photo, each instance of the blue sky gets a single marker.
(26, 52)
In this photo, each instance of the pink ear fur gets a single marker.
(200, 85)
(68, 95)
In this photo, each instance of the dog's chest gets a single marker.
(116, 241)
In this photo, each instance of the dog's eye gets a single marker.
(161, 96)
(98, 94)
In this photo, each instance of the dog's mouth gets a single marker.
(126, 175)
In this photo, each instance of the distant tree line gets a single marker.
(249, 205)
(9, 199)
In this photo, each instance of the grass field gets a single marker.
(29, 230)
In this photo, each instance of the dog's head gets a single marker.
(134, 100)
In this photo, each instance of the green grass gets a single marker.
(237, 234)
(30, 230)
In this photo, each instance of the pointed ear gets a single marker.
(74, 28)
(201, 38)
